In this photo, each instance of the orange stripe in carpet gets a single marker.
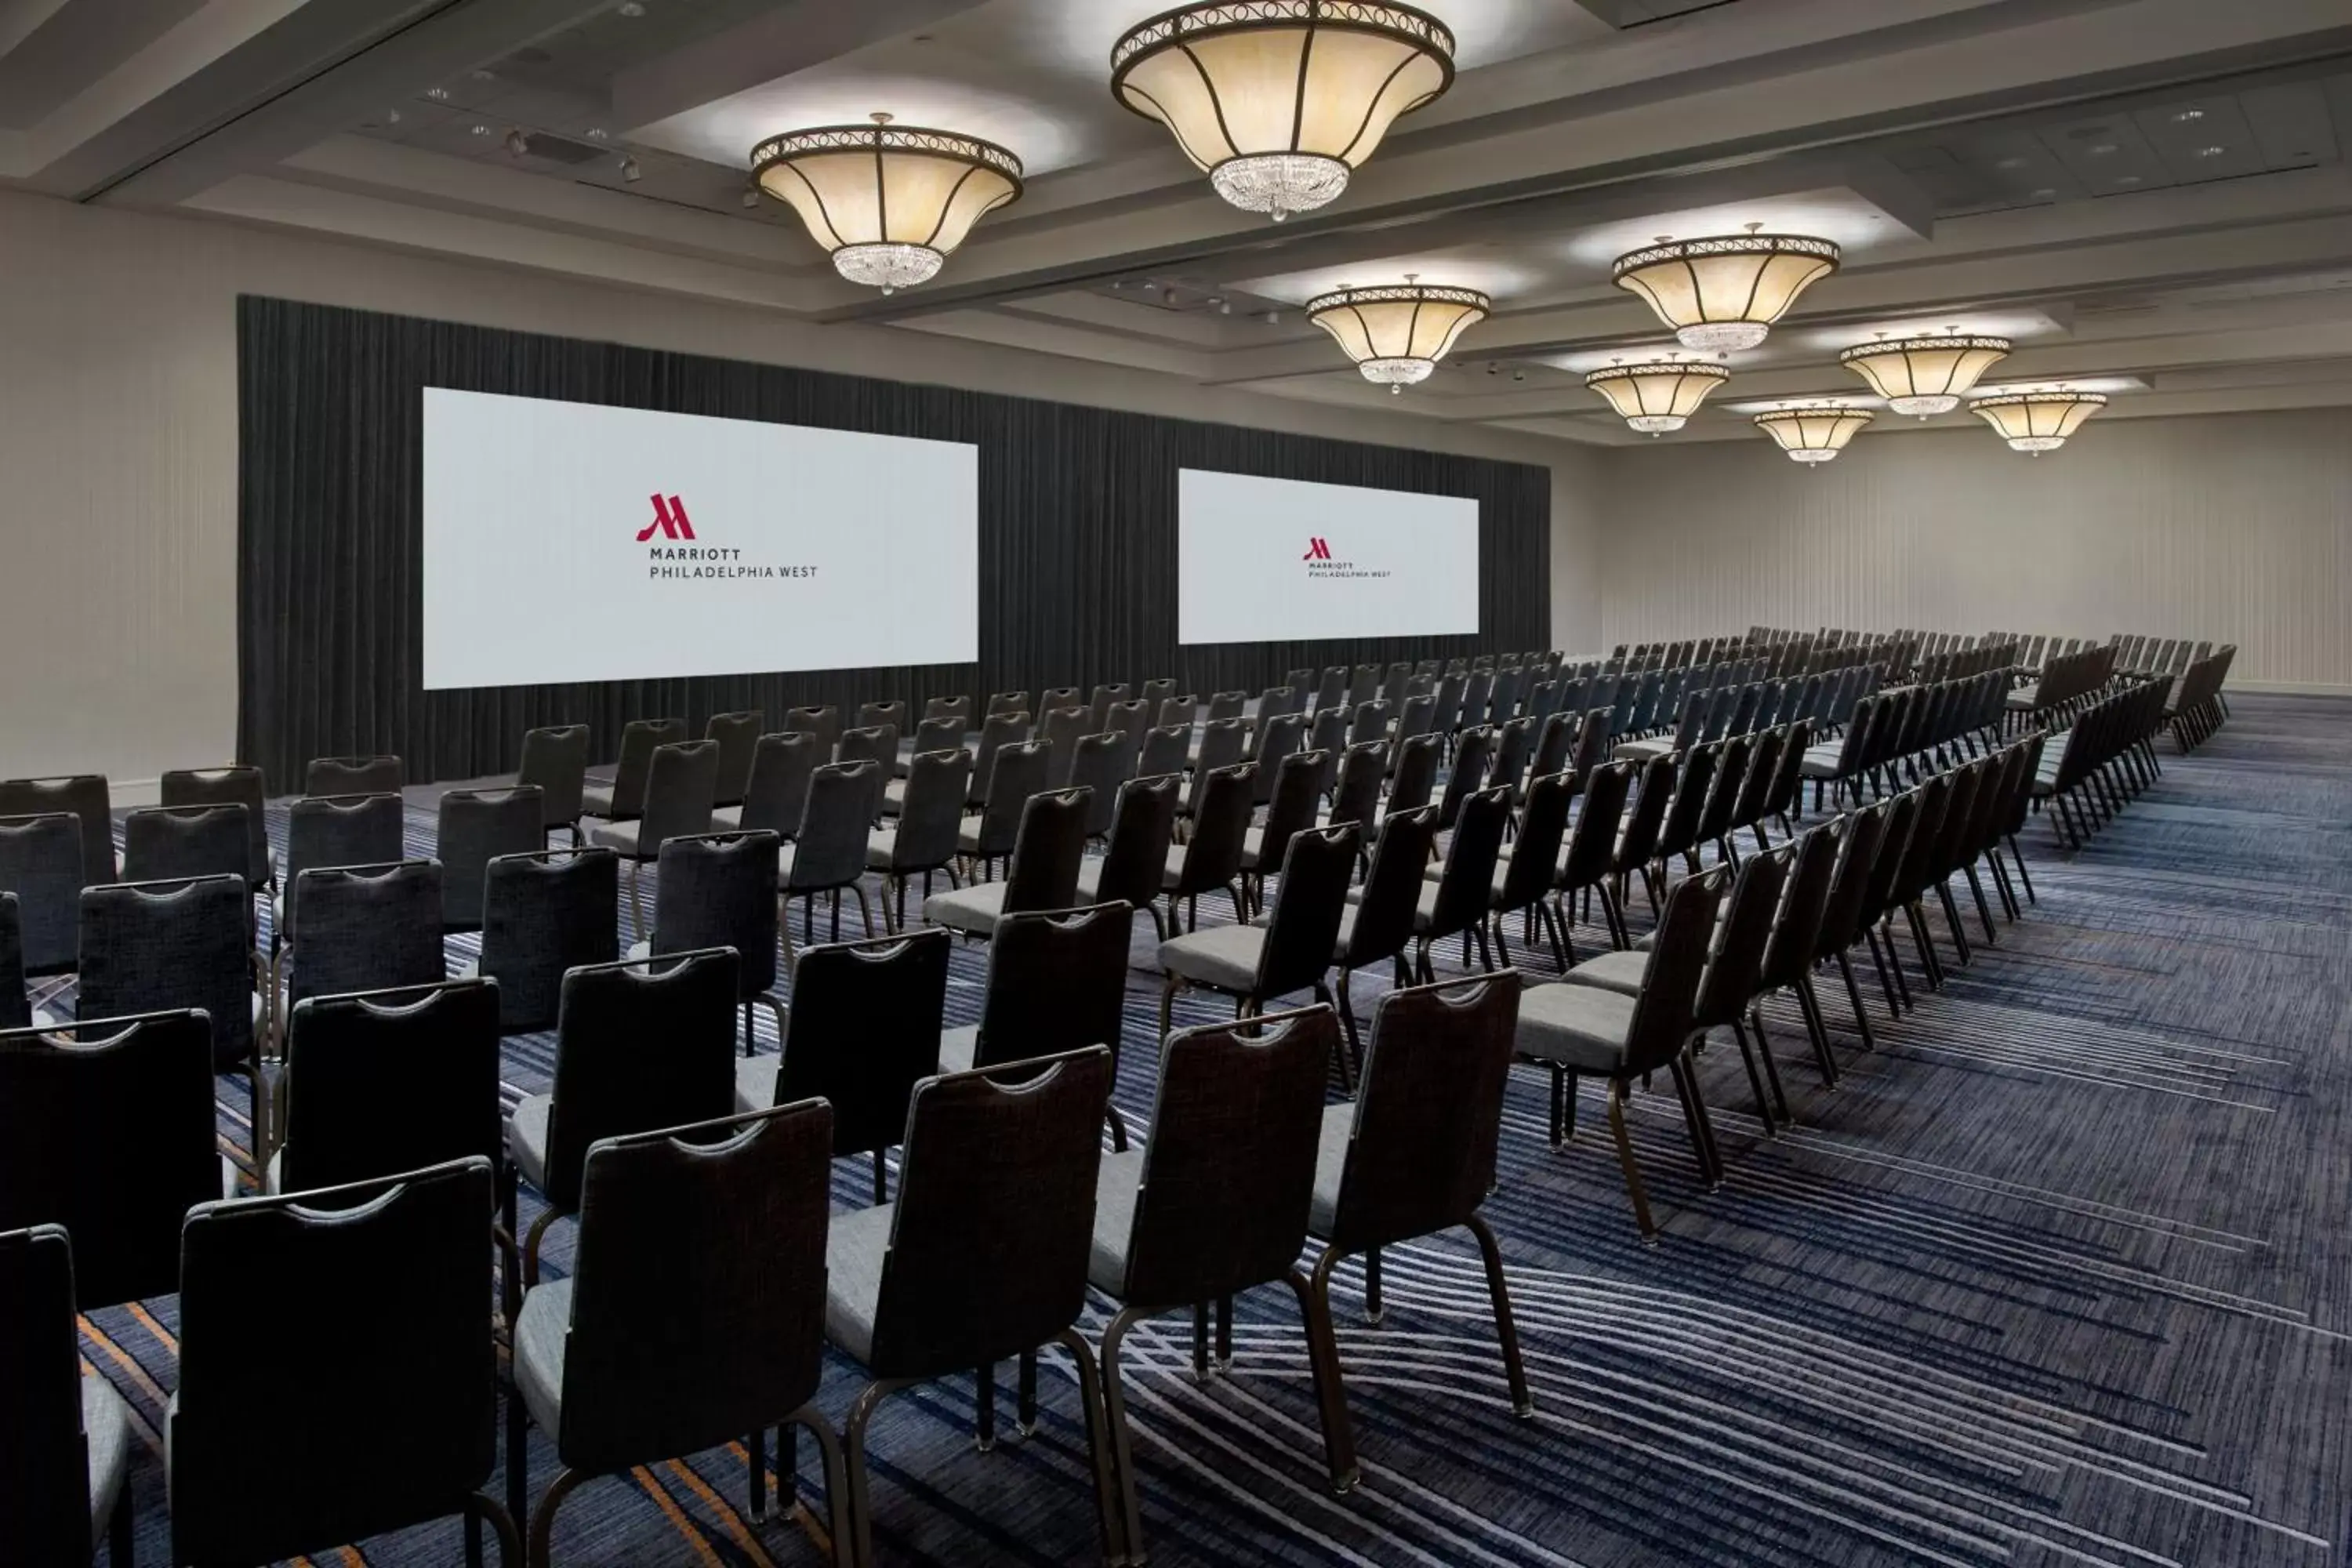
(728, 1518)
(152, 1438)
(669, 1505)
(163, 1335)
(801, 1513)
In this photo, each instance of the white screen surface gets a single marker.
(1282, 560)
(569, 541)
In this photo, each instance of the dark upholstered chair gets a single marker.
(678, 785)
(186, 787)
(1211, 859)
(823, 720)
(354, 775)
(162, 844)
(873, 715)
(85, 796)
(1413, 778)
(107, 1127)
(1290, 810)
(474, 827)
(737, 735)
(1291, 953)
(695, 1312)
(15, 1007)
(876, 744)
(828, 854)
(1131, 870)
(1056, 982)
(864, 1029)
(996, 732)
(1166, 751)
(1041, 872)
(1214, 1203)
(923, 840)
(719, 890)
(639, 1046)
(41, 865)
(1099, 764)
(544, 914)
(623, 797)
(151, 947)
(265, 1459)
(777, 793)
(983, 1257)
(66, 1446)
(1017, 773)
(555, 762)
(356, 830)
(363, 928)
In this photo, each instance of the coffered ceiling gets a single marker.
(2153, 194)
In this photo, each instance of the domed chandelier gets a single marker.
(2038, 421)
(890, 202)
(1397, 332)
(1277, 101)
(1656, 396)
(1723, 294)
(1813, 432)
(1926, 374)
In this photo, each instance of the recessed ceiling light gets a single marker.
(392, 117)
(2127, 179)
(629, 8)
(597, 133)
(2014, 160)
(437, 94)
(2101, 149)
(481, 131)
(2210, 151)
(2186, 115)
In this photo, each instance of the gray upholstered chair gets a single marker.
(824, 721)
(864, 1029)
(623, 797)
(876, 715)
(1099, 704)
(1290, 809)
(543, 915)
(1220, 744)
(245, 786)
(1155, 691)
(958, 708)
(1368, 722)
(1228, 705)
(379, 927)
(983, 1257)
(1413, 777)
(555, 762)
(1183, 709)
(1527, 878)
(678, 784)
(1135, 865)
(1016, 772)
(778, 790)
(694, 1315)
(1166, 751)
(736, 735)
(1356, 790)
(162, 844)
(379, 774)
(1331, 689)
(1008, 702)
(1056, 982)
(828, 854)
(930, 735)
(1460, 890)
(41, 864)
(1214, 1203)
(151, 947)
(1041, 873)
(474, 827)
(1788, 952)
(354, 830)
(1291, 953)
(929, 820)
(66, 1446)
(1279, 736)
(1211, 859)
(719, 890)
(1377, 927)
(407, 1262)
(85, 798)
(639, 1046)
(1101, 764)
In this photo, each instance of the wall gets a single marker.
(2236, 528)
(118, 437)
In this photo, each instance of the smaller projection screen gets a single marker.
(570, 542)
(1286, 560)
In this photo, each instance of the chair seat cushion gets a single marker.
(2024, 699)
(854, 1251)
(539, 1332)
(621, 836)
(1816, 766)
(596, 800)
(526, 1137)
(968, 835)
(1581, 1027)
(755, 1082)
(894, 797)
(1225, 957)
(1117, 1183)
(1642, 751)
(1174, 876)
(106, 1422)
(972, 910)
(1330, 1164)
(726, 818)
(881, 844)
(1618, 972)
(959, 1048)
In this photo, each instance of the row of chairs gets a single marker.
(1906, 728)
(2104, 758)
(2195, 705)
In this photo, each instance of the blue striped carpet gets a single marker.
(2059, 1277)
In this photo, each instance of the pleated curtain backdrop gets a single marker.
(1077, 538)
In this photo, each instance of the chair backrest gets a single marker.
(153, 947)
(824, 721)
(107, 1128)
(251, 1371)
(84, 797)
(1357, 795)
(227, 787)
(1679, 946)
(1047, 851)
(1886, 860)
(876, 744)
(1291, 809)
(1466, 884)
(1735, 967)
(1917, 867)
(1221, 818)
(1680, 832)
(1166, 751)
(164, 843)
(354, 775)
(1179, 710)
(1420, 1147)
(939, 735)
(383, 1082)
(680, 788)
(1229, 1170)
(1018, 772)
(1416, 773)
(1368, 723)
(956, 707)
(1471, 750)
(1054, 697)
(1331, 688)
(355, 830)
(829, 851)
(697, 1287)
(639, 1046)
(1226, 705)
(1591, 846)
(1303, 927)
(1155, 691)
(1557, 733)
(1130, 719)
(735, 735)
(932, 814)
(1512, 742)
(44, 1509)
(1062, 729)
(15, 1007)
(367, 928)
(1056, 982)
(1756, 784)
(1638, 839)
(545, 913)
(874, 715)
(1797, 926)
(1535, 853)
(1100, 702)
(1277, 738)
(1099, 766)
(994, 1220)
(1400, 854)
(1007, 702)
(1476, 693)
(1221, 744)
(1328, 730)
(555, 761)
(473, 828)
(719, 890)
(777, 791)
(864, 1030)
(1137, 860)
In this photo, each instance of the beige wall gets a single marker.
(2236, 528)
(118, 441)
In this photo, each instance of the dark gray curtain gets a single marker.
(1077, 542)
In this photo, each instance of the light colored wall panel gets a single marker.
(2236, 528)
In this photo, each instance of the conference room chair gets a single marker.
(17, 1010)
(828, 853)
(694, 1316)
(1364, 685)
(1503, 697)
(1367, 721)
(1210, 860)
(66, 1446)
(1880, 898)
(1507, 767)
(2008, 798)
(355, 830)
(1151, 693)
(1356, 787)
(473, 827)
(1166, 751)
(958, 708)
(1215, 1204)
(1180, 709)
(720, 889)
(930, 735)
(1914, 870)
(929, 820)
(1678, 834)
(1393, 683)
(1054, 697)
(82, 796)
(1554, 734)
(1414, 1154)
(362, 928)
(182, 789)
(820, 719)
(1574, 1030)
(162, 844)
(1376, 927)
(1298, 789)
(863, 1031)
(1277, 702)
(640, 1045)
(1790, 952)
(154, 947)
(1015, 772)
(555, 762)
(1008, 702)
(1292, 952)
(1604, 848)
(875, 744)
(1690, 729)
(777, 791)
(1446, 702)
(1327, 730)
(1062, 729)
(998, 731)
(1951, 848)
(678, 785)
(983, 1257)
(1041, 872)
(1129, 719)
(354, 775)
(108, 1127)
(1415, 716)
(1056, 982)
(1525, 875)
(1102, 763)
(623, 797)
(1752, 799)
(1304, 680)
(1102, 699)
(1471, 748)
(406, 1265)
(1460, 891)
(545, 913)
(1132, 869)
(1330, 690)
(1784, 796)
(1413, 776)
(1714, 816)
(1230, 705)
(1843, 765)
(1282, 736)
(874, 715)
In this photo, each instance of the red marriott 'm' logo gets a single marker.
(1317, 550)
(671, 521)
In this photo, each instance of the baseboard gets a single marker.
(2288, 688)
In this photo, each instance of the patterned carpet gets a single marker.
(2059, 1277)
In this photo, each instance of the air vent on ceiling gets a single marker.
(1625, 14)
(560, 149)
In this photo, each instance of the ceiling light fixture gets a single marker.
(1724, 293)
(1279, 101)
(1813, 432)
(2038, 421)
(891, 203)
(1397, 332)
(1926, 374)
(1656, 396)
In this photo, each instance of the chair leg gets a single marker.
(1617, 1086)
(852, 1444)
(829, 1458)
(1774, 1112)
(1113, 1393)
(864, 910)
(1167, 1006)
(1098, 1446)
(1523, 1405)
(542, 1518)
(1702, 1133)
(1375, 1312)
(2022, 874)
(1323, 1360)
(983, 1399)
(1817, 1029)
(1350, 1044)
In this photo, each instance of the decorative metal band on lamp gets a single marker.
(1397, 332)
(1924, 375)
(1278, 101)
(1813, 432)
(1724, 293)
(2037, 422)
(1659, 396)
(890, 202)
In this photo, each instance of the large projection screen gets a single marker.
(570, 541)
(1262, 560)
